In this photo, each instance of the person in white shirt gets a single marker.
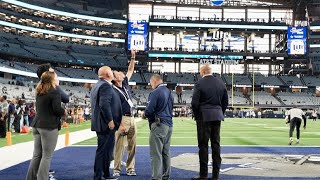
(294, 117)
(314, 115)
(86, 113)
(259, 114)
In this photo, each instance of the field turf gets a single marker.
(234, 131)
(20, 138)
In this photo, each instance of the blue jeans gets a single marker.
(26, 119)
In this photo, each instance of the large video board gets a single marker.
(297, 40)
(138, 35)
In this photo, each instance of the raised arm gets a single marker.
(131, 64)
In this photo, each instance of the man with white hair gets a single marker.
(127, 132)
(209, 103)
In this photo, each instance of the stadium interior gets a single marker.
(267, 52)
(78, 37)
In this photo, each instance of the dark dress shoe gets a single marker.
(199, 178)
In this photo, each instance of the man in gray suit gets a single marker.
(209, 103)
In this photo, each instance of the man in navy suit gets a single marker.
(106, 118)
(209, 103)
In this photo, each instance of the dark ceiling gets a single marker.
(113, 4)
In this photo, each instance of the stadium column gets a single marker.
(246, 14)
(221, 68)
(270, 41)
(222, 14)
(222, 40)
(246, 38)
(245, 64)
(176, 40)
(270, 68)
(151, 38)
(199, 41)
(270, 14)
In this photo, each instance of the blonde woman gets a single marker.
(46, 125)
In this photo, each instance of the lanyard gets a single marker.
(126, 96)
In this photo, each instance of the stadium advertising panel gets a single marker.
(138, 35)
(297, 40)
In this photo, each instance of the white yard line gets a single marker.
(18, 153)
(15, 154)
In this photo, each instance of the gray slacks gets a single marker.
(45, 141)
(160, 138)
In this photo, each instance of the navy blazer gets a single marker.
(210, 99)
(64, 96)
(105, 106)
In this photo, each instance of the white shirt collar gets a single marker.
(207, 75)
(108, 81)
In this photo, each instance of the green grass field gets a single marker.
(20, 138)
(234, 131)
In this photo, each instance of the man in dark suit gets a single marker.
(106, 118)
(209, 103)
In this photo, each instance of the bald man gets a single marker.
(209, 103)
(159, 113)
(106, 118)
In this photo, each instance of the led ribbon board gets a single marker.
(138, 35)
(194, 56)
(297, 40)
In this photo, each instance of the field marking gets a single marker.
(230, 137)
(269, 146)
(222, 133)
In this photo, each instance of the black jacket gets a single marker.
(49, 110)
(105, 106)
(210, 99)
(64, 96)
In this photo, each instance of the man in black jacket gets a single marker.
(106, 119)
(47, 67)
(209, 103)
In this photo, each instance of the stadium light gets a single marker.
(62, 13)
(314, 27)
(18, 26)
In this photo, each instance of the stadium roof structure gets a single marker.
(298, 6)
(100, 7)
